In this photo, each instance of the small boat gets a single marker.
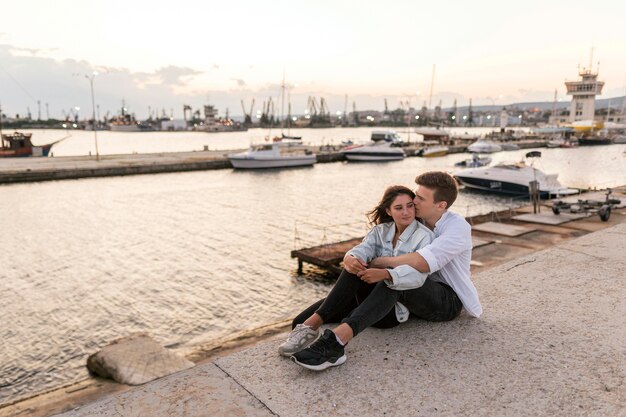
(484, 146)
(556, 142)
(272, 155)
(432, 151)
(386, 135)
(513, 179)
(18, 144)
(378, 151)
(385, 146)
(290, 137)
(474, 162)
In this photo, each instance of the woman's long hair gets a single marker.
(379, 214)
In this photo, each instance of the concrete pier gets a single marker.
(16, 170)
(551, 342)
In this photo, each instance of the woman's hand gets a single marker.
(353, 265)
(374, 275)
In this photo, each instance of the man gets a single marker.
(449, 254)
(444, 292)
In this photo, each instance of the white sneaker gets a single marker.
(299, 338)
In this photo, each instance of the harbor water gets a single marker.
(193, 256)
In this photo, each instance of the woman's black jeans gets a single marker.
(362, 305)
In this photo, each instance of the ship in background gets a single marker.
(213, 123)
(126, 122)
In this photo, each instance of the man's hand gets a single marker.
(353, 265)
(374, 275)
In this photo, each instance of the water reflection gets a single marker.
(190, 256)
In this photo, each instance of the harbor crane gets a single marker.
(312, 106)
(324, 111)
(186, 108)
(247, 115)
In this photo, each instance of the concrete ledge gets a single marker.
(199, 392)
(552, 342)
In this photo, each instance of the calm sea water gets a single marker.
(190, 257)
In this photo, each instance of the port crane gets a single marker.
(247, 115)
(186, 108)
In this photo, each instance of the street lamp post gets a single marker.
(93, 108)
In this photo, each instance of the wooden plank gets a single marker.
(550, 218)
(503, 229)
(477, 242)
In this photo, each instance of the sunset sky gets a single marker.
(163, 55)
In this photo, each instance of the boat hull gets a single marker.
(434, 154)
(500, 187)
(372, 157)
(267, 163)
(34, 151)
(124, 128)
(506, 187)
(591, 142)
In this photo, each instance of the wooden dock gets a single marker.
(327, 256)
(496, 237)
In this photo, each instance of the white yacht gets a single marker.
(386, 135)
(512, 178)
(272, 155)
(484, 146)
(378, 151)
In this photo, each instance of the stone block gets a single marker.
(135, 360)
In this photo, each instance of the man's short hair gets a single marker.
(444, 185)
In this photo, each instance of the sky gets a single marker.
(158, 56)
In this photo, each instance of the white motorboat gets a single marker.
(432, 151)
(512, 178)
(556, 142)
(272, 155)
(386, 135)
(377, 151)
(484, 146)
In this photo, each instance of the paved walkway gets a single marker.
(552, 342)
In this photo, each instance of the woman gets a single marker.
(363, 296)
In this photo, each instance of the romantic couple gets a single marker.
(404, 266)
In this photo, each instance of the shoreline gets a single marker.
(84, 391)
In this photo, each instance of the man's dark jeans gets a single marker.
(361, 305)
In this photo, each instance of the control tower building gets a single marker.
(584, 92)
